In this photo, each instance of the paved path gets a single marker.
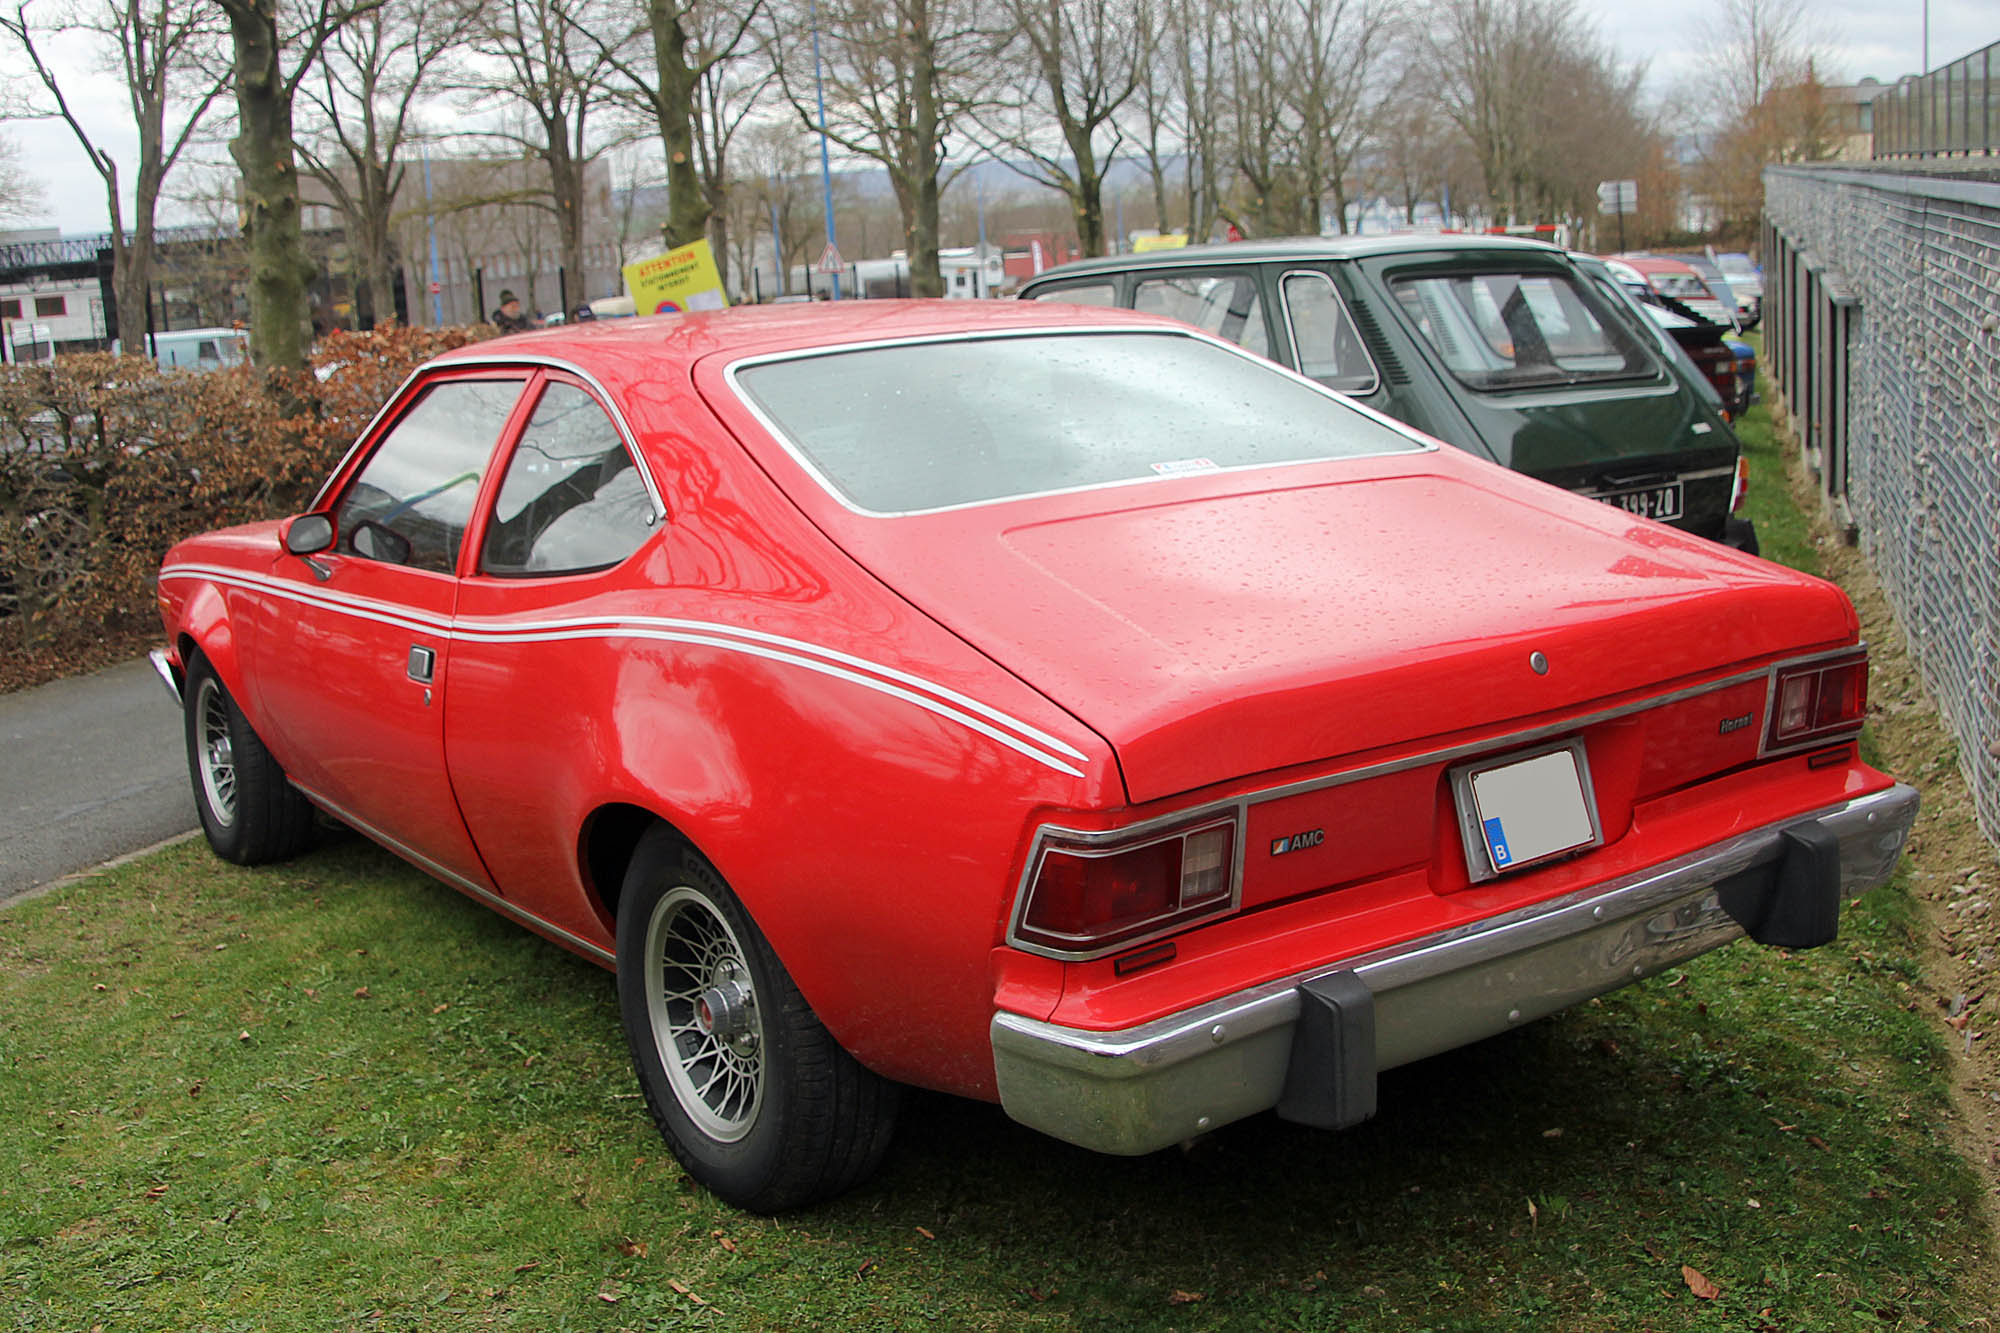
(90, 768)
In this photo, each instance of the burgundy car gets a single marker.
(1056, 706)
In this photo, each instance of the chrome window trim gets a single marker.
(1478, 861)
(1340, 303)
(1496, 746)
(515, 361)
(1130, 838)
(1424, 444)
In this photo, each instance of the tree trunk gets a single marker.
(279, 267)
(687, 206)
(920, 239)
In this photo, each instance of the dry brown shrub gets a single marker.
(105, 462)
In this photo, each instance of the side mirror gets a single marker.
(308, 534)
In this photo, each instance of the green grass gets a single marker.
(335, 1095)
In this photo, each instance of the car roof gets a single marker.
(1305, 248)
(627, 353)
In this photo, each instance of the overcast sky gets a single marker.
(1860, 38)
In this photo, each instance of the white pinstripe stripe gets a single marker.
(928, 695)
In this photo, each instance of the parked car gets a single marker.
(1720, 286)
(1675, 279)
(1056, 706)
(1747, 281)
(1499, 346)
(1710, 350)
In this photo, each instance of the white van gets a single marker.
(199, 349)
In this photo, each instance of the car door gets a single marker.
(537, 671)
(353, 670)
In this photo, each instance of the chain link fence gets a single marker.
(1884, 333)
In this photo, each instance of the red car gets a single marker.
(1056, 706)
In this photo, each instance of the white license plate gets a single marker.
(1660, 502)
(1523, 810)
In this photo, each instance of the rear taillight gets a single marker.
(1741, 487)
(1817, 701)
(1089, 897)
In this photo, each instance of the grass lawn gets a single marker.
(336, 1095)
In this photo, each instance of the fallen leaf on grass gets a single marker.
(865, 1269)
(926, 1233)
(728, 1244)
(156, 1191)
(632, 1249)
(609, 1297)
(1702, 1288)
(439, 1008)
(100, 986)
(681, 1287)
(528, 1267)
(194, 1089)
(244, 1035)
(360, 992)
(1816, 1141)
(1184, 1298)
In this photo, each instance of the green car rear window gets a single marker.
(1519, 330)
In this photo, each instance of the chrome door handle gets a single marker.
(422, 662)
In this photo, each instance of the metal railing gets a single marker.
(1954, 109)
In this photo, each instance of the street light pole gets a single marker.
(825, 171)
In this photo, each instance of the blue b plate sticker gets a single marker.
(1496, 844)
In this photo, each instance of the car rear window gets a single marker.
(930, 425)
(1519, 330)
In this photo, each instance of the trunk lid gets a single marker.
(1211, 631)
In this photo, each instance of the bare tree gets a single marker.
(164, 51)
(374, 74)
(1079, 62)
(774, 192)
(685, 68)
(552, 70)
(1763, 56)
(900, 76)
(280, 268)
(21, 195)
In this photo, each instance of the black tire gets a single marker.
(754, 1097)
(249, 811)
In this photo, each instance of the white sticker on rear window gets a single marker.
(1185, 465)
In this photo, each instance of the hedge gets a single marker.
(105, 462)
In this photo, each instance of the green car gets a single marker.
(1510, 349)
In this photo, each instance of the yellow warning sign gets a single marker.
(683, 279)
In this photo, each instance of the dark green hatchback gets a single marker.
(1510, 349)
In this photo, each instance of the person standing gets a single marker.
(509, 318)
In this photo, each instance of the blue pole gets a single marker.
(979, 183)
(430, 223)
(825, 171)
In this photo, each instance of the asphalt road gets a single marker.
(90, 769)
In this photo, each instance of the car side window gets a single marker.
(572, 499)
(1328, 346)
(1227, 305)
(1079, 293)
(413, 497)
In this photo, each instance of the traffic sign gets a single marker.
(436, 288)
(829, 260)
(1617, 197)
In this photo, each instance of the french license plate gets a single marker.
(1661, 502)
(1523, 810)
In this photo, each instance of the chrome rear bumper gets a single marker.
(1142, 1088)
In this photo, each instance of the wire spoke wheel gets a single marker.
(703, 1007)
(216, 759)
